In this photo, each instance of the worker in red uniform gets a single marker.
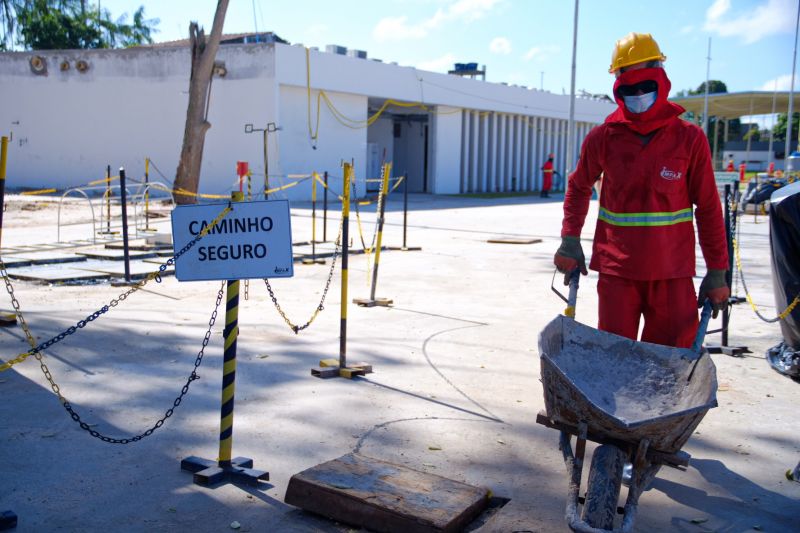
(656, 168)
(730, 167)
(547, 177)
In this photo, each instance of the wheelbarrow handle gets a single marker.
(572, 298)
(705, 316)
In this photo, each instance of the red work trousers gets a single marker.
(547, 180)
(669, 307)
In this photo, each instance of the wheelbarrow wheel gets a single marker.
(602, 494)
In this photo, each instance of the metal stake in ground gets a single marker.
(207, 472)
(730, 223)
(325, 209)
(372, 301)
(313, 259)
(405, 247)
(147, 195)
(329, 368)
(6, 319)
(108, 198)
(124, 200)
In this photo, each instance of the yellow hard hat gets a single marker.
(635, 48)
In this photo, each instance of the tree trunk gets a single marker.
(187, 177)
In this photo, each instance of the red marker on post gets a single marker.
(242, 169)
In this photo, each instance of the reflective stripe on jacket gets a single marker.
(644, 229)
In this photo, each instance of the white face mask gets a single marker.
(640, 103)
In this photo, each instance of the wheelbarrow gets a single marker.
(640, 401)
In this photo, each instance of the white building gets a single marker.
(72, 112)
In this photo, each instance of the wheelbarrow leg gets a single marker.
(574, 463)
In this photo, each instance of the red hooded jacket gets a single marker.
(649, 186)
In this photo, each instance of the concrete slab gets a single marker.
(385, 497)
(13, 261)
(137, 269)
(55, 274)
(513, 240)
(50, 258)
(116, 255)
(138, 245)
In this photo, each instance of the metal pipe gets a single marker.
(314, 217)
(729, 273)
(705, 98)
(405, 208)
(124, 199)
(108, 199)
(147, 194)
(787, 149)
(325, 209)
(387, 170)
(571, 125)
(3, 161)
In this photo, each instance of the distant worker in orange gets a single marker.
(547, 177)
(730, 167)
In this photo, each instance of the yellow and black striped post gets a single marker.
(348, 176)
(230, 333)
(241, 468)
(329, 368)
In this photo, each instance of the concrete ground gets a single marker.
(455, 390)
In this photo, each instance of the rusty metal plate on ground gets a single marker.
(382, 496)
(513, 240)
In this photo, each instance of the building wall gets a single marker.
(336, 143)
(446, 130)
(131, 104)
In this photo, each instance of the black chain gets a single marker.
(36, 350)
(193, 376)
(321, 307)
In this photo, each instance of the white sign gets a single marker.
(253, 241)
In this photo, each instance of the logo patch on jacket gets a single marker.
(671, 175)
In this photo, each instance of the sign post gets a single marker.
(253, 241)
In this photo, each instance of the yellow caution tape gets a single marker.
(104, 180)
(40, 191)
(783, 314)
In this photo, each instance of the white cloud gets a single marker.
(769, 18)
(500, 45)
(541, 53)
(398, 28)
(718, 9)
(687, 29)
(784, 83)
(439, 64)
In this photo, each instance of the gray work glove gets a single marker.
(714, 287)
(569, 257)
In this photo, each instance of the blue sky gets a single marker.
(526, 42)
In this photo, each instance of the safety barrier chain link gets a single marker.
(168, 413)
(782, 315)
(321, 307)
(36, 351)
(156, 275)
